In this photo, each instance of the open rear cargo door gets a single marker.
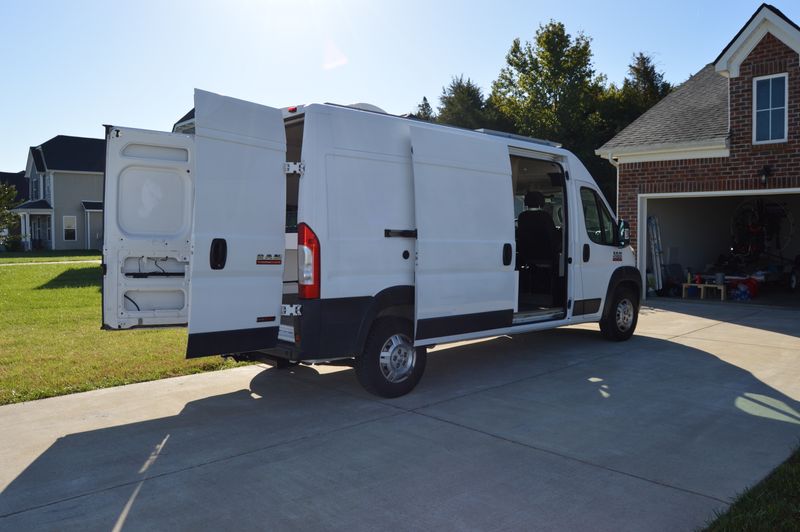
(465, 280)
(238, 237)
(194, 227)
(146, 228)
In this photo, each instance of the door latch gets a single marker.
(218, 254)
(507, 254)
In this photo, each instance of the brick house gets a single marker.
(725, 141)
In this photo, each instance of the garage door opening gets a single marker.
(742, 247)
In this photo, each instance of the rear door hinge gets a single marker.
(291, 310)
(294, 168)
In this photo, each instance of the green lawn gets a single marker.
(47, 256)
(51, 342)
(771, 505)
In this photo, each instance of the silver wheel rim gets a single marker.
(397, 358)
(624, 315)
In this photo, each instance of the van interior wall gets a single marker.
(696, 231)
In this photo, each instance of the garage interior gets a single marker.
(748, 243)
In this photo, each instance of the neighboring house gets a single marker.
(17, 180)
(65, 184)
(725, 141)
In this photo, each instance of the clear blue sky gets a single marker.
(69, 66)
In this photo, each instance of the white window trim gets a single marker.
(785, 138)
(64, 228)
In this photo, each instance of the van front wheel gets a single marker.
(623, 314)
(390, 365)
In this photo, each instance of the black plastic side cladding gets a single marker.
(463, 324)
(623, 274)
(394, 296)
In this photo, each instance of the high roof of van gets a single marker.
(511, 139)
(185, 124)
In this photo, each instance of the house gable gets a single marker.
(766, 20)
(770, 56)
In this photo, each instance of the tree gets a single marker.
(425, 111)
(644, 83)
(642, 88)
(549, 89)
(8, 194)
(462, 104)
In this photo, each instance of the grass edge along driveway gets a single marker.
(7, 257)
(51, 342)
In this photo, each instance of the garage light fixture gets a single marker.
(766, 171)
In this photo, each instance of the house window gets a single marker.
(599, 222)
(35, 187)
(69, 228)
(770, 109)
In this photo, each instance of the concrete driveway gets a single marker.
(555, 430)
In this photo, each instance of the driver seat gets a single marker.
(537, 234)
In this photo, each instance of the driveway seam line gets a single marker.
(198, 465)
(738, 343)
(572, 458)
(718, 322)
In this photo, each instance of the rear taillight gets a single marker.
(307, 262)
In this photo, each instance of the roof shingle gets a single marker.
(76, 154)
(35, 204)
(695, 111)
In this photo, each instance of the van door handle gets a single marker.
(402, 233)
(507, 252)
(218, 254)
(586, 252)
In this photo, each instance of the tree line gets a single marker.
(549, 89)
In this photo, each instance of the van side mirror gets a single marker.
(623, 233)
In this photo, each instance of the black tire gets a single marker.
(394, 338)
(620, 329)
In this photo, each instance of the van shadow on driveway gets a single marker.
(783, 320)
(558, 429)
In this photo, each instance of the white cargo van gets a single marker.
(326, 232)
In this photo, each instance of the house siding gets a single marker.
(742, 169)
(69, 190)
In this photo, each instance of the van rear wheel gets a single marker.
(623, 315)
(390, 365)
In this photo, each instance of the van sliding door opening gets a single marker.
(540, 213)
